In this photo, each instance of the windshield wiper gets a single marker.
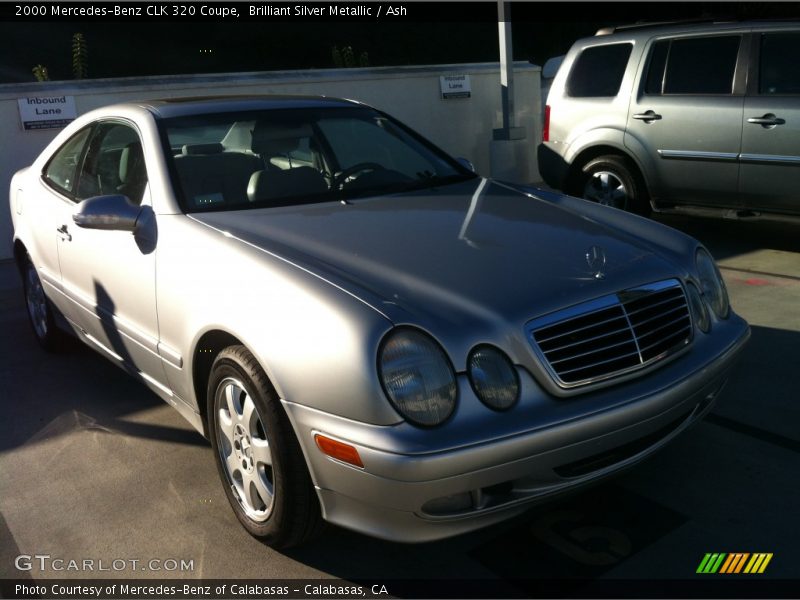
(406, 186)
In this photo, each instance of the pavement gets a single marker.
(94, 466)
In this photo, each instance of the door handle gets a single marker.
(648, 117)
(64, 233)
(767, 121)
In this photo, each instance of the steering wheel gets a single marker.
(339, 179)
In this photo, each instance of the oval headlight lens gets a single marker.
(417, 377)
(711, 284)
(698, 308)
(494, 379)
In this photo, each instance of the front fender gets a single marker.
(317, 344)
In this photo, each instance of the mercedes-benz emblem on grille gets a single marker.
(596, 259)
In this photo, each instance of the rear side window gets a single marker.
(700, 65)
(779, 68)
(655, 71)
(598, 71)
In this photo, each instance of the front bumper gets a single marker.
(413, 493)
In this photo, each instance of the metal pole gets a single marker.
(506, 64)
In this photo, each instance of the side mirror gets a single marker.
(114, 212)
(466, 163)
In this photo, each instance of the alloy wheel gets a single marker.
(36, 301)
(606, 188)
(244, 449)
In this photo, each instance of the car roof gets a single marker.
(166, 108)
(693, 26)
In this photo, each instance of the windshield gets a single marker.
(234, 161)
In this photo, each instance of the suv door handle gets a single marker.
(64, 233)
(648, 117)
(768, 120)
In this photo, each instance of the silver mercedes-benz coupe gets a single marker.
(368, 332)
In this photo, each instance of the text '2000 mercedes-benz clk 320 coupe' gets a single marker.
(368, 332)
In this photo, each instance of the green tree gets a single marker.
(41, 74)
(80, 57)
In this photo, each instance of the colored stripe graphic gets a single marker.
(727, 564)
(734, 562)
(758, 563)
(711, 562)
(703, 563)
(716, 565)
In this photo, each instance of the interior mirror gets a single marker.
(114, 212)
(466, 163)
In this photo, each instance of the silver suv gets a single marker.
(693, 115)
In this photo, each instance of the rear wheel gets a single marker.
(611, 181)
(41, 314)
(258, 456)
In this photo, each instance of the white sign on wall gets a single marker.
(46, 112)
(455, 86)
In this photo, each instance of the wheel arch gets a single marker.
(20, 253)
(592, 152)
(205, 351)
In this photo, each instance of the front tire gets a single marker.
(611, 181)
(258, 457)
(41, 313)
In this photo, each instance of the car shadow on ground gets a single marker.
(54, 394)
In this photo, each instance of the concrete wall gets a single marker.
(462, 127)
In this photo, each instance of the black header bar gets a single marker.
(379, 12)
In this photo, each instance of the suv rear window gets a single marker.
(779, 69)
(693, 66)
(598, 71)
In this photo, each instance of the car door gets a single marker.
(110, 275)
(50, 208)
(686, 118)
(769, 177)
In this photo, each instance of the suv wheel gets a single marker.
(610, 181)
(258, 456)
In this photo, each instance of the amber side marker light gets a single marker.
(339, 450)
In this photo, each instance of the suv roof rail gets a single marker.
(644, 24)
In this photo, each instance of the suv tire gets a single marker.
(611, 180)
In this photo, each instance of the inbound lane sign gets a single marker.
(46, 112)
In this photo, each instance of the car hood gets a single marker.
(472, 251)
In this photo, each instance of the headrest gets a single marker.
(273, 138)
(202, 148)
(266, 185)
(131, 160)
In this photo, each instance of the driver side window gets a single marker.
(61, 171)
(114, 164)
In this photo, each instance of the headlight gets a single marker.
(711, 284)
(417, 377)
(698, 308)
(493, 378)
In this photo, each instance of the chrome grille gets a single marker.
(614, 334)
